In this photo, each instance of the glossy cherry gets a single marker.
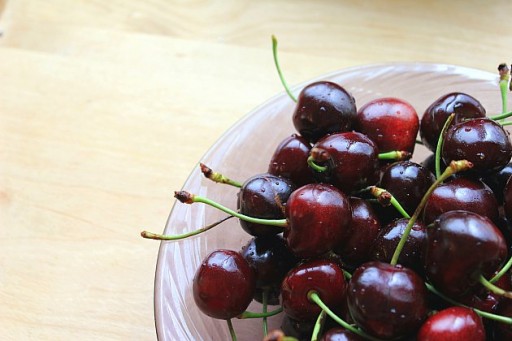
(461, 194)
(318, 216)
(322, 276)
(498, 181)
(223, 286)
(263, 196)
(351, 160)
(453, 323)
(507, 200)
(387, 301)
(463, 105)
(482, 141)
(461, 246)
(340, 334)
(323, 108)
(289, 160)
(391, 123)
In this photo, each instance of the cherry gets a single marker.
(461, 247)
(340, 334)
(507, 200)
(387, 301)
(289, 160)
(263, 196)
(301, 330)
(463, 105)
(391, 123)
(350, 160)
(363, 230)
(461, 194)
(318, 216)
(223, 286)
(270, 259)
(323, 108)
(322, 276)
(412, 255)
(453, 323)
(408, 182)
(498, 181)
(482, 141)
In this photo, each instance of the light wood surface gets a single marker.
(106, 106)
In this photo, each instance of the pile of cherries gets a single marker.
(353, 241)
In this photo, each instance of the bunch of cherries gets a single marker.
(353, 241)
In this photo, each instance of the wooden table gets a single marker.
(106, 106)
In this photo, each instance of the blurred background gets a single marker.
(106, 107)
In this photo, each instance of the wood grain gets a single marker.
(106, 106)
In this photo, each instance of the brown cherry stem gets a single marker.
(454, 167)
(385, 199)
(217, 177)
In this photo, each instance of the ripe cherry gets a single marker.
(322, 276)
(391, 123)
(463, 105)
(323, 108)
(453, 323)
(223, 286)
(387, 301)
(340, 334)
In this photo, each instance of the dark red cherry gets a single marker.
(301, 330)
(356, 247)
(412, 255)
(498, 181)
(290, 160)
(391, 123)
(318, 216)
(263, 196)
(223, 286)
(461, 246)
(453, 323)
(351, 159)
(461, 194)
(322, 276)
(340, 334)
(463, 105)
(507, 200)
(482, 141)
(323, 108)
(270, 259)
(408, 182)
(387, 301)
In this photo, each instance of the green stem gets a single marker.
(252, 315)
(454, 167)
(395, 155)
(384, 197)
(481, 313)
(276, 62)
(231, 330)
(318, 326)
(314, 166)
(507, 123)
(501, 116)
(493, 288)
(156, 236)
(218, 177)
(504, 91)
(314, 297)
(439, 146)
(188, 198)
(264, 311)
(503, 271)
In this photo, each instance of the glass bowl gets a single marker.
(245, 150)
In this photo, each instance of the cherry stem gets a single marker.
(501, 116)
(490, 316)
(385, 199)
(189, 198)
(493, 288)
(439, 146)
(156, 236)
(316, 167)
(264, 311)
(278, 68)
(217, 177)
(420, 142)
(318, 326)
(253, 315)
(397, 155)
(503, 271)
(454, 167)
(504, 91)
(231, 330)
(314, 297)
(508, 123)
